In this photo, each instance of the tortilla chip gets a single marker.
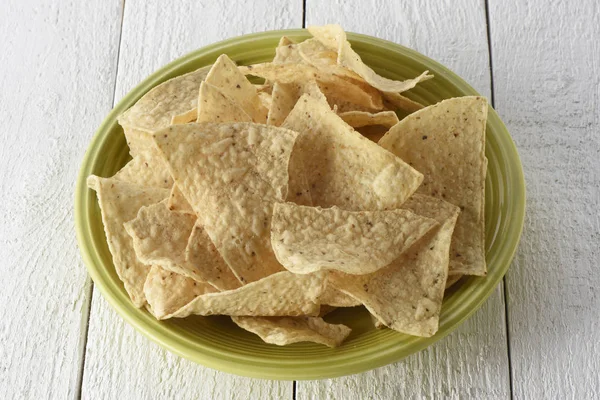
(166, 291)
(215, 106)
(401, 102)
(309, 239)
(156, 108)
(335, 298)
(119, 202)
(287, 52)
(285, 96)
(179, 203)
(278, 295)
(144, 171)
(265, 88)
(186, 117)
(353, 92)
(315, 53)
(160, 237)
(201, 252)
(343, 168)
(288, 330)
(334, 37)
(357, 119)
(232, 83)
(232, 174)
(407, 295)
(446, 142)
(265, 99)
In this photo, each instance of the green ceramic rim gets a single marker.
(215, 342)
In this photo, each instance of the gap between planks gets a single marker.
(89, 290)
(504, 283)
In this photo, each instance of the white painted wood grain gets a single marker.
(473, 361)
(121, 363)
(546, 61)
(57, 68)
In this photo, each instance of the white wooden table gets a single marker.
(63, 64)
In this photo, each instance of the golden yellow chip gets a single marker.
(309, 239)
(232, 175)
(277, 295)
(287, 330)
(358, 119)
(119, 202)
(342, 167)
(167, 291)
(446, 142)
(407, 295)
(160, 237)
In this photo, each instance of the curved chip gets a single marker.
(309, 239)
(344, 168)
(334, 37)
(407, 295)
(287, 330)
(280, 294)
(358, 119)
(446, 142)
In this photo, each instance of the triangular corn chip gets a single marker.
(343, 168)
(119, 202)
(407, 295)
(401, 102)
(160, 237)
(226, 76)
(446, 142)
(232, 174)
(166, 291)
(309, 239)
(287, 330)
(215, 106)
(277, 295)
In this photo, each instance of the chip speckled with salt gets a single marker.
(232, 174)
(309, 239)
(215, 106)
(287, 330)
(226, 76)
(119, 202)
(344, 168)
(446, 142)
(166, 291)
(144, 171)
(407, 295)
(280, 294)
(160, 237)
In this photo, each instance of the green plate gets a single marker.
(215, 341)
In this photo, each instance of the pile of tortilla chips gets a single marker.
(276, 203)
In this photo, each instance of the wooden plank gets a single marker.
(473, 361)
(546, 60)
(56, 85)
(121, 363)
